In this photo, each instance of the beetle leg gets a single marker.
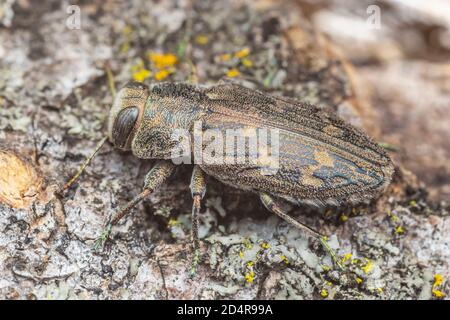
(198, 189)
(271, 204)
(154, 179)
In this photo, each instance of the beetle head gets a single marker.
(126, 114)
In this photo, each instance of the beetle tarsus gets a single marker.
(271, 204)
(102, 238)
(194, 234)
(195, 262)
(198, 189)
(323, 240)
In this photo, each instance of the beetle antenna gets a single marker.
(85, 164)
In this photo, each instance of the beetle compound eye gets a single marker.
(123, 125)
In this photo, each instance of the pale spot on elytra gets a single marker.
(323, 158)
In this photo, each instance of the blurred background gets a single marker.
(404, 67)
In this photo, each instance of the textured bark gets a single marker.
(54, 100)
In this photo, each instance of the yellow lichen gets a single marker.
(324, 293)
(161, 75)
(265, 245)
(392, 217)
(248, 244)
(241, 254)
(225, 57)
(202, 39)
(284, 259)
(242, 53)
(161, 60)
(250, 264)
(368, 267)
(233, 73)
(139, 72)
(344, 218)
(250, 277)
(127, 30)
(172, 222)
(359, 280)
(125, 47)
(247, 63)
(437, 293)
(346, 257)
(399, 230)
(437, 280)
(141, 75)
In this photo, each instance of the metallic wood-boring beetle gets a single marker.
(322, 159)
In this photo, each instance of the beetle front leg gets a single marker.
(198, 189)
(271, 204)
(154, 179)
